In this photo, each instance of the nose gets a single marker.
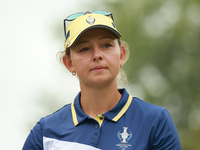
(97, 55)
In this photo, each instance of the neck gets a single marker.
(98, 100)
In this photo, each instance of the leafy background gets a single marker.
(163, 68)
(164, 40)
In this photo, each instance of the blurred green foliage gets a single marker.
(164, 41)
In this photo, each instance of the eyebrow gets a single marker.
(81, 42)
(107, 37)
(87, 41)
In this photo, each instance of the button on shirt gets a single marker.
(131, 125)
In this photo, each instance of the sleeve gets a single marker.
(166, 136)
(34, 140)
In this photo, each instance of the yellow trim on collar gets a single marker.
(100, 119)
(74, 114)
(124, 109)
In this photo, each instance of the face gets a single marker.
(96, 57)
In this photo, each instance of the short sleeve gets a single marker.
(166, 136)
(34, 140)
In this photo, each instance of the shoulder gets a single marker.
(157, 115)
(149, 114)
(159, 122)
(60, 114)
(54, 118)
(147, 108)
(53, 121)
(153, 122)
(46, 125)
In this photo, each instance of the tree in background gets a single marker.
(164, 41)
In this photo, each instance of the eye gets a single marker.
(84, 49)
(106, 45)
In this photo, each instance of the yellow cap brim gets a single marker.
(80, 25)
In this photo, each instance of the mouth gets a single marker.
(98, 68)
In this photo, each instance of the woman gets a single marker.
(101, 116)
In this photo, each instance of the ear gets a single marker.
(122, 54)
(68, 63)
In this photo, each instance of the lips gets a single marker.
(98, 68)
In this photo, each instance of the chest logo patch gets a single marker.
(124, 137)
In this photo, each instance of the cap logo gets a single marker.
(90, 20)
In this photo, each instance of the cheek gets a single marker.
(80, 65)
(115, 58)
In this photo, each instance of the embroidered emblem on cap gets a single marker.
(90, 20)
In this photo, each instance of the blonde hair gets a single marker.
(121, 77)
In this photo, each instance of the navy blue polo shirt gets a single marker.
(132, 124)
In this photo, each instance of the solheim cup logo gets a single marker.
(90, 20)
(124, 137)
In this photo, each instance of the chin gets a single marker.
(102, 82)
